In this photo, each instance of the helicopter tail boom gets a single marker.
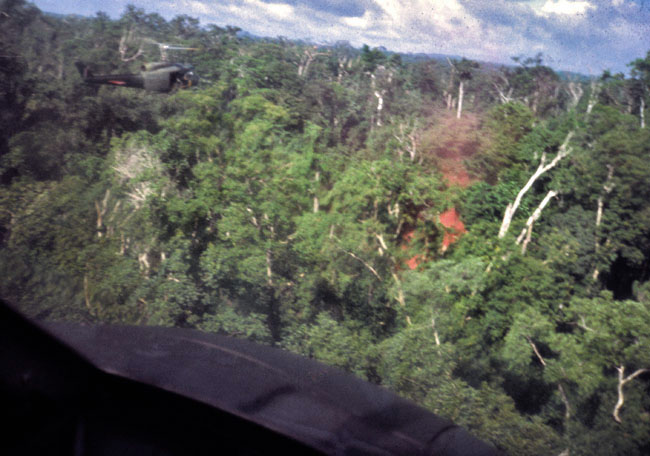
(126, 80)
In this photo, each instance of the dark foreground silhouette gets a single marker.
(71, 389)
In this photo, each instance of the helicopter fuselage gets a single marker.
(155, 77)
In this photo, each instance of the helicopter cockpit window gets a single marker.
(189, 80)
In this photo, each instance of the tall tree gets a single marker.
(640, 71)
(465, 70)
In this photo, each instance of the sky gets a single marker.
(586, 36)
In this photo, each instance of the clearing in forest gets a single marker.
(446, 145)
(449, 143)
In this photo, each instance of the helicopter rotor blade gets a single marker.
(173, 47)
(164, 47)
(180, 48)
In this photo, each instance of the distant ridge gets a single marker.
(63, 16)
(407, 57)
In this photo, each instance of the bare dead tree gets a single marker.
(130, 163)
(379, 94)
(622, 381)
(306, 60)
(460, 99)
(435, 331)
(101, 209)
(593, 97)
(504, 97)
(316, 201)
(269, 269)
(128, 36)
(143, 261)
(382, 244)
(528, 229)
(87, 294)
(642, 112)
(574, 89)
(400, 296)
(408, 141)
(565, 401)
(450, 85)
(503, 88)
(343, 61)
(368, 266)
(560, 388)
(543, 167)
(608, 186)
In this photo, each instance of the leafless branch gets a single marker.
(537, 353)
(101, 209)
(528, 229)
(543, 167)
(608, 186)
(567, 407)
(621, 383)
(575, 90)
(435, 331)
(123, 47)
(306, 60)
(370, 268)
(400, 292)
(583, 325)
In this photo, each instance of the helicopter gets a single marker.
(160, 77)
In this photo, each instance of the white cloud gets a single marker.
(363, 22)
(572, 34)
(199, 7)
(566, 7)
(280, 10)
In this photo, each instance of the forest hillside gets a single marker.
(475, 238)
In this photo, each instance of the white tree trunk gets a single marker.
(528, 229)
(101, 212)
(641, 112)
(382, 244)
(143, 261)
(575, 90)
(541, 169)
(435, 331)
(306, 60)
(400, 291)
(565, 400)
(503, 97)
(450, 86)
(607, 188)
(370, 268)
(316, 202)
(269, 270)
(123, 47)
(535, 102)
(621, 383)
(341, 69)
(460, 100)
(87, 294)
(380, 106)
(563, 396)
(407, 141)
(595, 88)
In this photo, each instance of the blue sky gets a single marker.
(587, 36)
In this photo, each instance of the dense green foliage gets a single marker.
(281, 200)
